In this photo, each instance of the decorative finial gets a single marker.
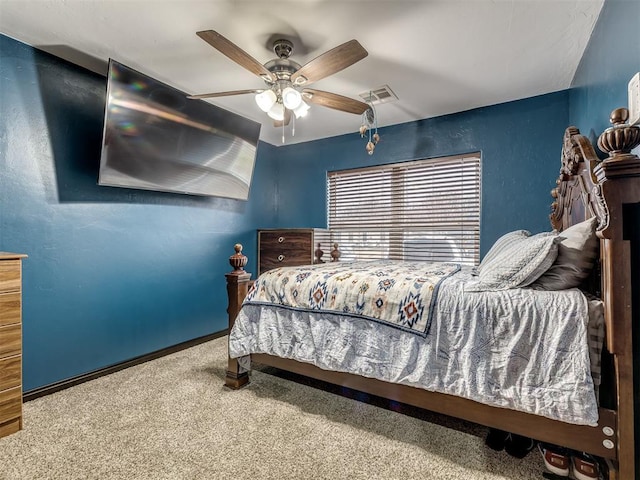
(318, 253)
(335, 253)
(619, 115)
(238, 261)
(618, 140)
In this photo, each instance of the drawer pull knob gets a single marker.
(280, 258)
(280, 239)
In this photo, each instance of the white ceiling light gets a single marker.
(266, 100)
(277, 112)
(302, 110)
(291, 98)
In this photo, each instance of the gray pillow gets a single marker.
(503, 243)
(577, 253)
(519, 264)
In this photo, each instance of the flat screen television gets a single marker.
(155, 138)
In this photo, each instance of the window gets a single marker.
(420, 210)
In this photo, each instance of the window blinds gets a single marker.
(420, 210)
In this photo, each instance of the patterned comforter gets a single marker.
(521, 349)
(399, 294)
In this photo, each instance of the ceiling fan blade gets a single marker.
(287, 119)
(330, 62)
(235, 53)
(335, 101)
(225, 94)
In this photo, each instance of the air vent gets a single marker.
(378, 95)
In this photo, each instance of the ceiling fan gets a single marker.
(286, 92)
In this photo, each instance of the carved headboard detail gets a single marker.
(577, 194)
(584, 180)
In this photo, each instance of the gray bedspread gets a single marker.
(521, 349)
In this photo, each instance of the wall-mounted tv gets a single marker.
(155, 138)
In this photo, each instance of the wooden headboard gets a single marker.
(588, 187)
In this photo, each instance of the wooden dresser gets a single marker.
(10, 343)
(289, 247)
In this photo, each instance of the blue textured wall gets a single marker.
(519, 141)
(611, 58)
(112, 273)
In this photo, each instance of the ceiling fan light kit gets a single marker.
(287, 81)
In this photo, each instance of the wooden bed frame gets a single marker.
(586, 187)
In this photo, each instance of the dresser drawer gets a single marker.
(269, 263)
(10, 340)
(10, 403)
(285, 240)
(9, 308)
(10, 372)
(10, 275)
(284, 248)
(12, 426)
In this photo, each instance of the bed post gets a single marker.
(238, 282)
(619, 184)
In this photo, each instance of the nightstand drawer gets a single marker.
(10, 308)
(10, 372)
(10, 340)
(10, 276)
(11, 403)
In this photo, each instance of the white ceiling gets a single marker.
(438, 56)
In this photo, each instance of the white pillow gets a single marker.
(503, 243)
(577, 252)
(519, 264)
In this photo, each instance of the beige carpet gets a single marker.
(172, 419)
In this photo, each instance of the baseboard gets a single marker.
(70, 382)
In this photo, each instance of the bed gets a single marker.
(475, 373)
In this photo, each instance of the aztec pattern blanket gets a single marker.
(399, 294)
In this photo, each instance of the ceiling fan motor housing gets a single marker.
(282, 48)
(282, 68)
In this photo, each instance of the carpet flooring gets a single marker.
(171, 418)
